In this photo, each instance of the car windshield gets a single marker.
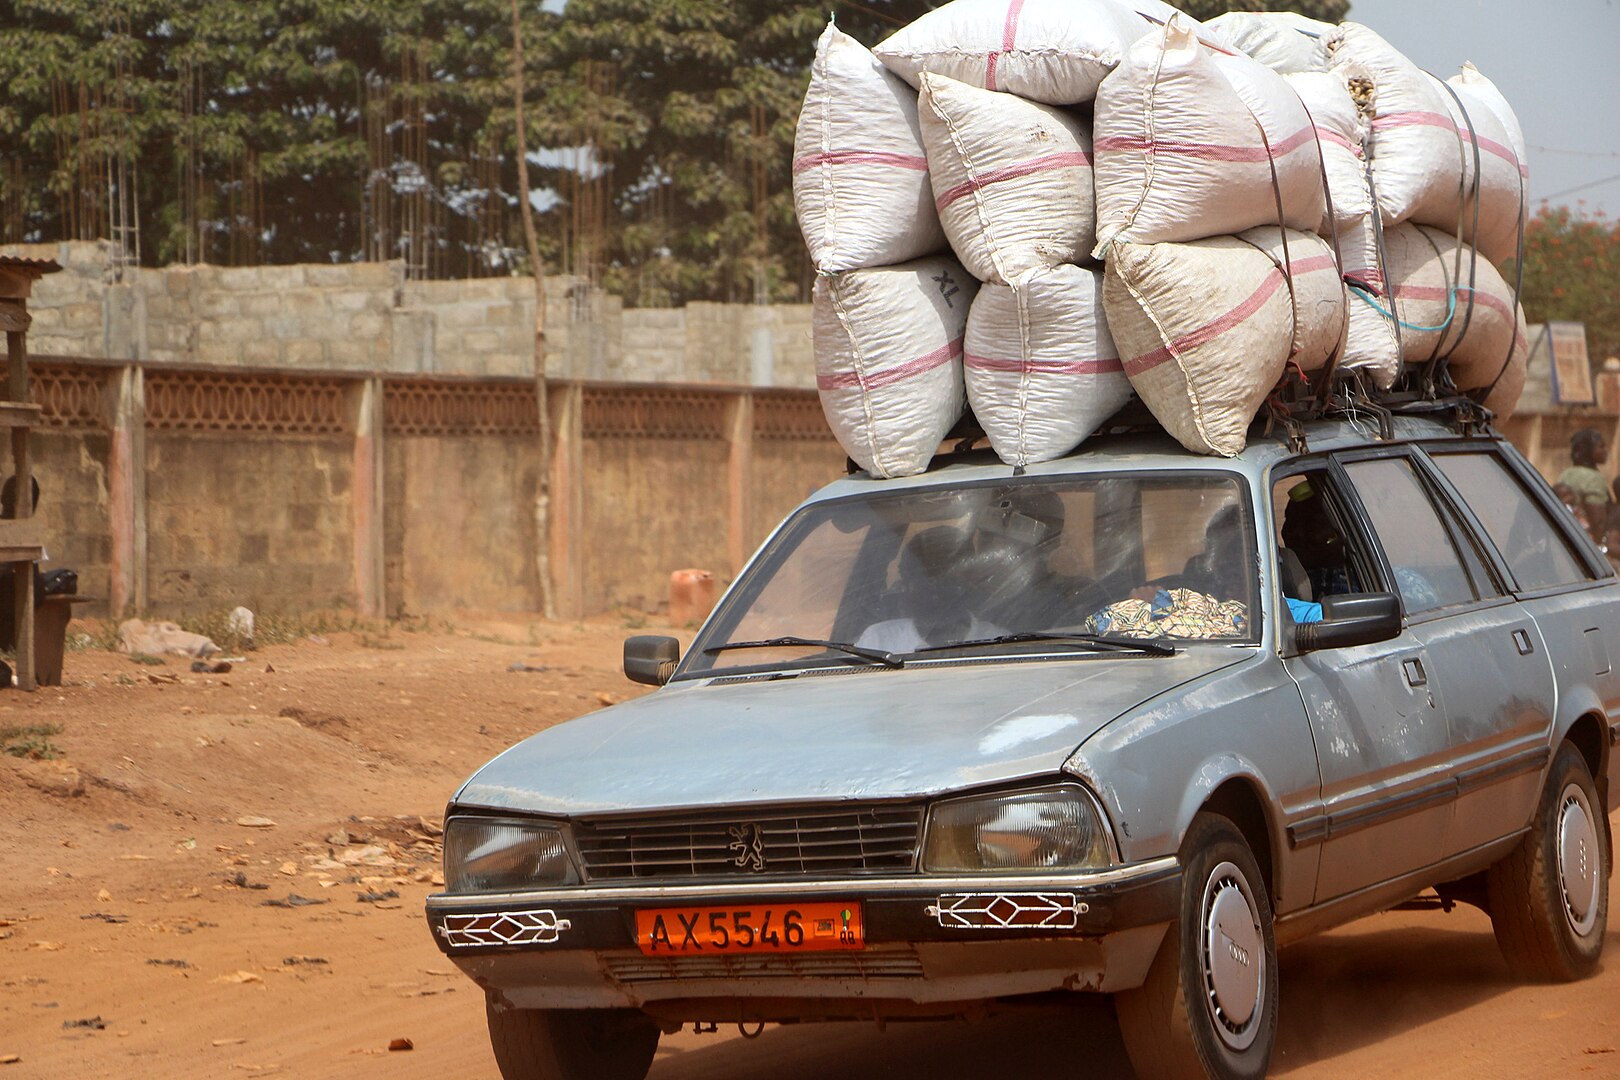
(1122, 555)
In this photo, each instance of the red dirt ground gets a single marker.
(125, 903)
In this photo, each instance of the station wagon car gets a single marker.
(1118, 723)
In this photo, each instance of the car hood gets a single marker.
(862, 734)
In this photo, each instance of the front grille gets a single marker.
(887, 964)
(743, 844)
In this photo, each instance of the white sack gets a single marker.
(1203, 330)
(1284, 41)
(860, 178)
(888, 346)
(1012, 179)
(1339, 133)
(1054, 51)
(1317, 292)
(1483, 115)
(1042, 370)
(1478, 329)
(1180, 153)
(1423, 150)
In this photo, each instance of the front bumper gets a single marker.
(927, 939)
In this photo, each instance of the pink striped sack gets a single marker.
(1012, 179)
(1205, 329)
(860, 179)
(888, 346)
(1041, 368)
(1317, 292)
(1283, 41)
(1440, 313)
(1052, 51)
(1189, 141)
(1425, 143)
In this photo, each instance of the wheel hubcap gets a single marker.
(1233, 956)
(1578, 858)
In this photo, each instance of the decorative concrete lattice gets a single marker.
(790, 417)
(502, 928)
(639, 413)
(71, 397)
(1006, 911)
(271, 404)
(433, 407)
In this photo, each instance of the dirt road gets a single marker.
(149, 926)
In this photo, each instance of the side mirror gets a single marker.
(1352, 619)
(650, 658)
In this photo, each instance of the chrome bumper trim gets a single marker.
(853, 887)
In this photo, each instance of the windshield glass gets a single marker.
(1127, 555)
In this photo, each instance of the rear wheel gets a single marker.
(1549, 897)
(571, 1044)
(1209, 1005)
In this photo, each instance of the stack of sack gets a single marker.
(1035, 208)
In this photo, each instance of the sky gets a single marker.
(1555, 60)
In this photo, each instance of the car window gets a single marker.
(1309, 520)
(1141, 554)
(1429, 572)
(1532, 546)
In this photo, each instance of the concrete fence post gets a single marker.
(739, 478)
(370, 583)
(565, 522)
(126, 490)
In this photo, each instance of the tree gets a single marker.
(1329, 11)
(1572, 273)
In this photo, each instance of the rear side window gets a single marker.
(1428, 570)
(1532, 546)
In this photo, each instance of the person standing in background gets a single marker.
(1585, 478)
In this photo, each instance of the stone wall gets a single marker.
(365, 317)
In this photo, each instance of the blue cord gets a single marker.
(1451, 309)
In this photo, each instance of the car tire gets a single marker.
(1207, 1012)
(571, 1044)
(1549, 897)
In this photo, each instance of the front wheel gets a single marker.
(1549, 897)
(571, 1044)
(1209, 1005)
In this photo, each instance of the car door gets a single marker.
(1380, 735)
(1563, 586)
(1485, 651)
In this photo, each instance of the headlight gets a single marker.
(490, 855)
(1056, 828)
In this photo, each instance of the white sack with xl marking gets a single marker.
(1186, 140)
(888, 346)
(1042, 370)
(1012, 179)
(1203, 330)
(1055, 51)
(860, 178)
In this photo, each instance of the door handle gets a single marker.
(1521, 641)
(1415, 675)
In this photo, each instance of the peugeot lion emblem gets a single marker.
(748, 847)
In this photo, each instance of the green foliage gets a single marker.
(1572, 272)
(278, 131)
(1330, 11)
(30, 740)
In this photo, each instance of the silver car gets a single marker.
(1119, 723)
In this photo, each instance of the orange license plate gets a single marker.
(767, 928)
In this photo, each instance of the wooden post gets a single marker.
(23, 478)
(739, 479)
(126, 492)
(370, 581)
(565, 537)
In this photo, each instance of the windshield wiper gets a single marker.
(878, 656)
(1098, 641)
